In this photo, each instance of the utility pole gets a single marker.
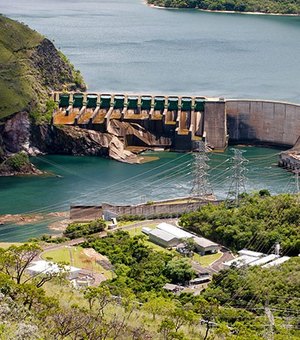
(201, 188)
(297, 185)
(238, 178)
(269, 333)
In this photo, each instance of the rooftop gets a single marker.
(162, 234)
(264, 260)
(250, 253)
(204, 242)
(47, 267)
(177, 232)
(276, 262)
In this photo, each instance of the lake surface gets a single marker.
(123, 45)
(92, 180)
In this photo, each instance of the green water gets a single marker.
(92, 180)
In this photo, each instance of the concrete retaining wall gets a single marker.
(269, 122)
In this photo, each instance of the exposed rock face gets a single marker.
(15, 132)
(71, 140)
(140, 134)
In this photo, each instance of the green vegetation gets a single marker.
(76, 230)
(138, 266)
(28, 74)
(18, 161)
(258, 223)
(267, 6)
(125, 308)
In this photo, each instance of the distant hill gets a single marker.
(30, 67)
(266, 6)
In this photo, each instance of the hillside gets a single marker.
(30, 68)
(268, 6)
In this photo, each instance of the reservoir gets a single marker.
(125, 46)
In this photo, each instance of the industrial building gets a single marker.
(252, 258)
(168, 236)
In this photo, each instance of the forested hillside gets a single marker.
(259, 222)
(267, 6)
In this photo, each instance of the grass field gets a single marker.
(76, 257)
(206, 260)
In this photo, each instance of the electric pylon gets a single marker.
(238, 178)
(201, 188)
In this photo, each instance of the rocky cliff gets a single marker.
(31, 67)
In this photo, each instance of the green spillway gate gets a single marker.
(146, 103)
(173, 104)
(105, 102)
(132, 103)
(119, 102)
(199, 104)
(77, 101)
(159, 103)
(91, 101)
(64, 100)
(186, 104)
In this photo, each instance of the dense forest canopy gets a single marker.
(258, 223)
(267, 6)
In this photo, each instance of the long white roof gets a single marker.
(177, 232)
(250, 253)
(264, 260)
(276, 262)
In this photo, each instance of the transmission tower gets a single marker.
(200, 187)
(237, 186)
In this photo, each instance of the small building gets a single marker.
(205, 246)
(163, 238)
(50, 268)
(173, 288)
(240, 261)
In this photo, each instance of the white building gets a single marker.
(177, 232)
(50, 268)
(276, 262)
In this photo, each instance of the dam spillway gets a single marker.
(183, 119)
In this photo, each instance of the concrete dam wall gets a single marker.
(178, 121)
(259, 121)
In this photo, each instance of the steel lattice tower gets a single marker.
(238, 179)
(200, 187)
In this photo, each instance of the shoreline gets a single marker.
(225, 12)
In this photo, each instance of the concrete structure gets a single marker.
(182, 118)
(162, 238)
(87, 213)
(49, 268)
(261, 121)
(205, 246)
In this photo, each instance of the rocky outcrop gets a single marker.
(71, 140)
(290, 159)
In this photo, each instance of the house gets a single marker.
(50, 268)
(162, 238)
(205, 246)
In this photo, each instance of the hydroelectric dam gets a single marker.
(176, 121)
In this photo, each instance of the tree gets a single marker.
(100, 295)
(179, 270)
(158, 305)
(16, 259)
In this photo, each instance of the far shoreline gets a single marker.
(225, 12)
